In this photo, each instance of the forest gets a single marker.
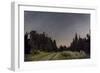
(40, 47)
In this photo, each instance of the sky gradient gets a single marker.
(59, 26)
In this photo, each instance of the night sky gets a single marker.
(59, 26)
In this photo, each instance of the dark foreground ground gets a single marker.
(42, 56)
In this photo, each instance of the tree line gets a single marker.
(34, 41)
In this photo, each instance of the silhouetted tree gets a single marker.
(27, 49)
(79, 44)
(74, 44)
(63, 48)
(88, 44)
(42, 42)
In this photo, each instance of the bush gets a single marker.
(73, 55)
(35, 52)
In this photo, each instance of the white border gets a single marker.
(17, 61)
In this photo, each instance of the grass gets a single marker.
(42, 56)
